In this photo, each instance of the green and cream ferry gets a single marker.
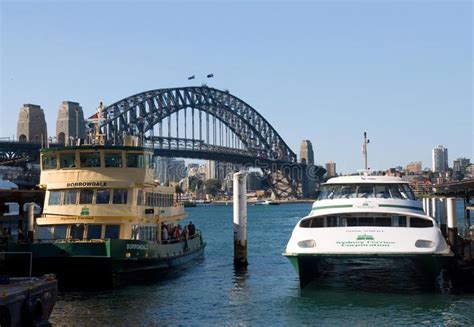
(104, 215)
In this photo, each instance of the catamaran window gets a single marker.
(54, 198)
(407, 192)
(112, 231)
(365, 191)
(135, 160)
(331, 221)
(383, 221)
(44, 233)
(120, 197)
(382, 191)
(102, 197)
(90, 159)
(113, 159)
(399, 221)
(420, 222)
(94, 232)
(77, 232)
(85, 196)
(49, 162)
(60, 232)
(67, 160)
(140, 197)
(345, 192)
(70, 197)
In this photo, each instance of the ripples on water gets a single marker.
(212, 293)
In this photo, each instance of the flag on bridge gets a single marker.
(210, 75)
(191, 77)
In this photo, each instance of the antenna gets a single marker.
(364, 149)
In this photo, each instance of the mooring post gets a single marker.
(423, 200)
(428, 207)
(442, 216)
(434, 208)
(31, 222)
(452, 224)
(240, 219)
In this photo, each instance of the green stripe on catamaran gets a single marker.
(332, 207)
(400, 206)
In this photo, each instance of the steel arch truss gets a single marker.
(138, 114)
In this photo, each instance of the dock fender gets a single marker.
(33, 312)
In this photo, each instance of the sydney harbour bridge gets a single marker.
(200, 123)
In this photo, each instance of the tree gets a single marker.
(213, 186)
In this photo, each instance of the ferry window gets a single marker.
(400, 221)
(383, 221)
(140, 197)
(112, 231)
(94, 232)
(85, 196)
(67, 160)
(77, 232)
(149, 161)
(54, 197)
(49, 162)
(395, 192)
(351, 221)
(45, 233)
(331, 221)
(366, 221)
(120, 197)
(70, 197)
(420, 222)
(365, 191)
(90, 159)
(305, 223)
(408, 192)
(382, 191)
(345, 192)
(102, 197)
(60, 232)
(135, 160)
(148, 199)
(113, 159)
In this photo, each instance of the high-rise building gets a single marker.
(330, 169)
(414, 167)
(211, 169)
(306, 152)
(459, 167)
(70, 117)
(31, 125)
(440, 159)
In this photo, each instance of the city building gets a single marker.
(440, 159)
(70, 118)
(306, 152)
(169, 170)
(459, 168)
(414, 167)
(254, 181)
(331, 169)
(31, 125)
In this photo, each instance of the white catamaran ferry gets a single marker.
(104, 217)
(366, 217)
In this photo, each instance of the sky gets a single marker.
(320, 70)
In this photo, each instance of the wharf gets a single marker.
(27, 301)
(462, 245)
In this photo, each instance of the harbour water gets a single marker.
(211, 292)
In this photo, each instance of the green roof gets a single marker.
(95, 147)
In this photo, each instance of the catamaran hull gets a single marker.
(369, 272)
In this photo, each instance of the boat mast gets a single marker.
(364, 149)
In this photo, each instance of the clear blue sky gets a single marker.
(323, 71)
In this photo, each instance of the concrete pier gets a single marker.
(452, 223)
(240, 219)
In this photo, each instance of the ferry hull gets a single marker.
(106, 264)
(374, 272)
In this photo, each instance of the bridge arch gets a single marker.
(139, 113)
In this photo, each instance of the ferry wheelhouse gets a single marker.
(104, 216)
(369, 217)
